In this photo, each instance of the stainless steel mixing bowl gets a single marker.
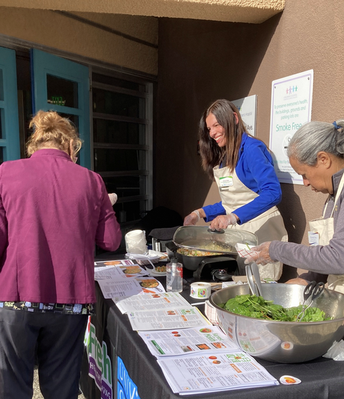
(282, 342)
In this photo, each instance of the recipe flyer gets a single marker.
(120, 288)
(214, 372)
(187, 341)
(152, 301)
(119, 270)
(117, 262)
(171, 318)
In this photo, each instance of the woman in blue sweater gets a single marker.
(243, 169)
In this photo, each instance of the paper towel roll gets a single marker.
(135, 242)
(200, 290)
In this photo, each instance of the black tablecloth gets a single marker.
(321, 378)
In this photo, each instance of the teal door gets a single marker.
(63, 86)
(9, 122)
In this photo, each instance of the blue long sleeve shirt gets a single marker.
(256, 171)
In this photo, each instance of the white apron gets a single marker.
(324, 228)
(268, 226)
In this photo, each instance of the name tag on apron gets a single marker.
(313, 238)
(225, 182)
(321, 231)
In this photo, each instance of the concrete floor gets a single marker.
(36, 391)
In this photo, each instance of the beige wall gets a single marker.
(200, 61)
(252, 11)
(51, 29)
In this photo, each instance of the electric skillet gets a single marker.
(199, 249)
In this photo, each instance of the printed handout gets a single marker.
(187, 341)
(120, 288)
(152, 301)
(214, 372)
(113, 271)
(167, 319)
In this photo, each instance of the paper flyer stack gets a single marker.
(194, 355)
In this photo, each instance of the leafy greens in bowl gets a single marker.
(281, 341)
(257, 307)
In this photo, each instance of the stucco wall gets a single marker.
(122, 40)
(252, 11)
(200, 61)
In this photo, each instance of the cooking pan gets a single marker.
(194, 262)
(202, 238)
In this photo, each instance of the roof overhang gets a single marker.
(246, 11)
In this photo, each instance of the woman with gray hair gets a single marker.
(316, 152)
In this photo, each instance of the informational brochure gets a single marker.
(116, 262)
(121, 288)
(152, 301)
(187, 341)
(165, 319)
(204, 373)
(119, 270)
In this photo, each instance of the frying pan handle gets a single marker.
(171, 249)
(214, 259)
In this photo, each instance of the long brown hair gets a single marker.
(224, 112)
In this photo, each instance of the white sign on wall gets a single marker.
(247, 107)
(291, 107)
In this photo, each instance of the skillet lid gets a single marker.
(221, 241)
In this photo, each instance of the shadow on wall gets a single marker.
(199, 62)
(158, 217)
(294, 220)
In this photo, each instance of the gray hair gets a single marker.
(314, 137)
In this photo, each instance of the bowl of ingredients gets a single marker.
(269, 328)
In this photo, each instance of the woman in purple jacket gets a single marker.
(52, 213)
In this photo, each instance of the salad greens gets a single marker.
(259, 308)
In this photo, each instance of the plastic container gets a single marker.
(135, 242)
(174, 276)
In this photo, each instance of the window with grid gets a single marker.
(122, 142)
